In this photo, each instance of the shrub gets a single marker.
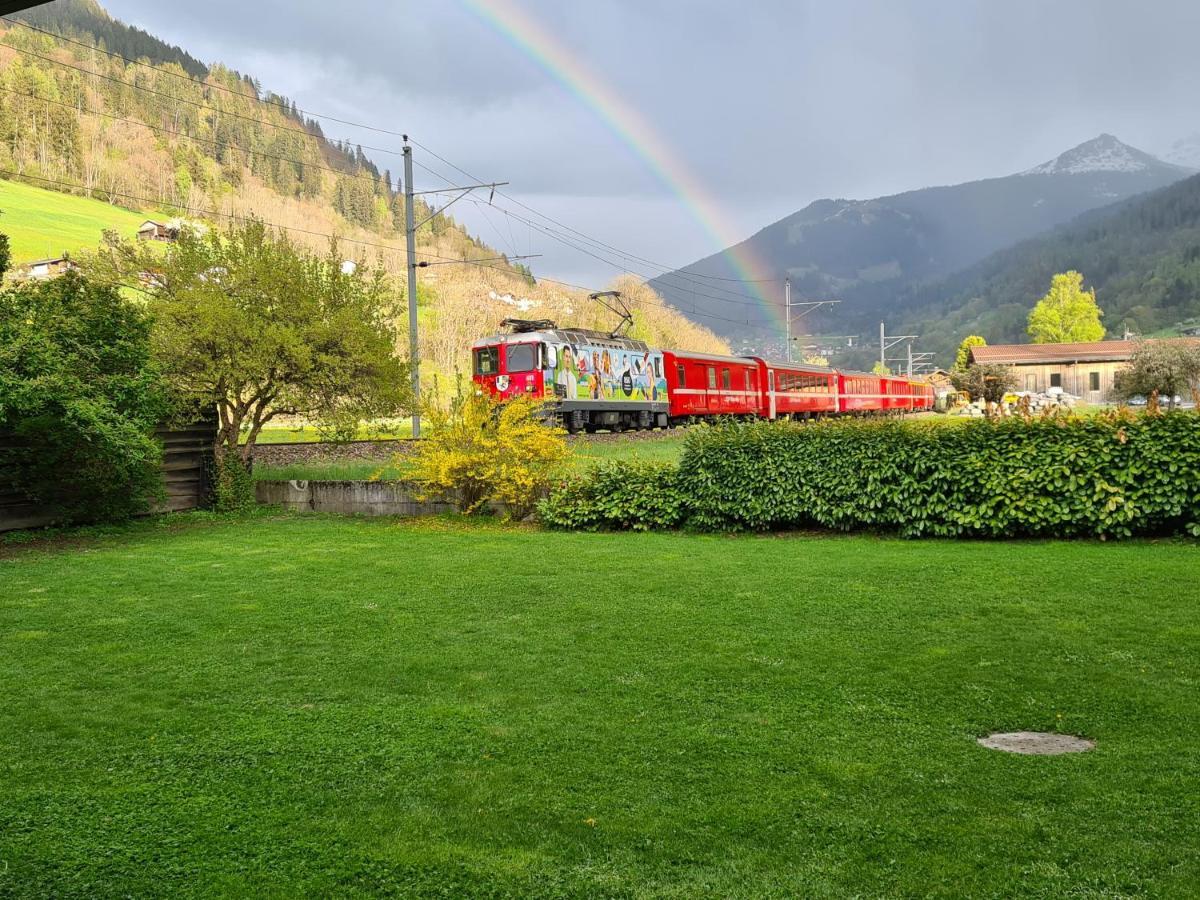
(617, 495)
(1107, 476)
(1115, 475)
(1166, 368)
(988, 383)
(79, 400)
(480, 451)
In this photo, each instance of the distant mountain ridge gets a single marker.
(1142, 256)
(866, 252)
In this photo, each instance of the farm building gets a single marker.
(1086, 370)
(151, 230)
(43, 269)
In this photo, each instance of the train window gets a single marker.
(521, 357)
(726, 380)
(658, 367)
(681, 374)
(487, 361)
(712, 378)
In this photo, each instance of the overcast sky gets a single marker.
(771, 103)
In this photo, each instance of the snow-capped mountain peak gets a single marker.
(1103, 154)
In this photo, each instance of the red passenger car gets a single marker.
(799, 391)
(701, 384)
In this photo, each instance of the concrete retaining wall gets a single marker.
(348, 498)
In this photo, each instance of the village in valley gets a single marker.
(389, 507)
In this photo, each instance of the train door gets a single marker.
(771, 393)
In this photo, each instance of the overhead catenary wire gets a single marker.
(618, 266)
(395, 188)
(200, 82)
(597, 241)
(667, 272)
(195, 103)
(201, 211)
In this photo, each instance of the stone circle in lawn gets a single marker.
(1036, 743)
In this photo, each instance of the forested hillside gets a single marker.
(1141, 255)
(171, 136)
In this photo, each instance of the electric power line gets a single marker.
(183, 134)
(616, 250)
(200, 211)
(200, 82)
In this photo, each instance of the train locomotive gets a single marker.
(592, 380)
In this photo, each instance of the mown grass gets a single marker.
(41, 223)
(307, 434)
(312, 706)
(584, 455)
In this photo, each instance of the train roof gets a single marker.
(573, 336)
(713, 357)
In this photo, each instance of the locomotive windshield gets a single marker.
(522, 357)
(487, 361)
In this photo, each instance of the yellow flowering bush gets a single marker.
(481, 451)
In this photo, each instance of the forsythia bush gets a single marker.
(480, 451)
(1115, 475)
(625, 495)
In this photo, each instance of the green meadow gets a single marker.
(308, 706)
(41, 223)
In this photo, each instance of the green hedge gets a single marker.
(618, 495)
(1108, 476)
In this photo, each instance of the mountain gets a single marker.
(865, 252)
(169, 136)
(1141, 255)
(1185, 152)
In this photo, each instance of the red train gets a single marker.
(600, 381)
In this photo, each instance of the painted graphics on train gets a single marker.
(604, 374)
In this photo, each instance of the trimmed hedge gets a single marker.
(1115, 475)
(620, 495)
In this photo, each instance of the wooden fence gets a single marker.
(187, 467)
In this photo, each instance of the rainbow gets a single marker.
(632, 129)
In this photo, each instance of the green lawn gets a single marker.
(309, 435)
(41, 223)
(309, 706)
(585, 454)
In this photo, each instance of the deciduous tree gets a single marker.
(247, 321)
(963, 357)
(988, 383)
(79, 399)
(1170, 368)
(1067, 314)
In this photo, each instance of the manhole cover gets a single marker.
(1036, 743)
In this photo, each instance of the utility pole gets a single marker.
(410, 234)
(787, 305)
(808, 305)
(910, 359)
(887, 342)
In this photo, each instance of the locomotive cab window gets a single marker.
(487, 361)
(522, 357)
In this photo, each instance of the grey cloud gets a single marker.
(771, 103)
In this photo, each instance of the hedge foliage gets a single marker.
(1115, 475)
(618, 495)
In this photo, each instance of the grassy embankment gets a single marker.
(585, 453)
(41, 223)
(318, 706)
